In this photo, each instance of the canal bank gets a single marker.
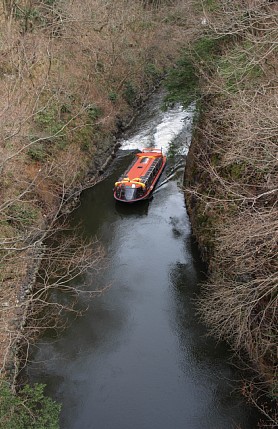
(139, 356)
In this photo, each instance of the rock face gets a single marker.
(197, 182)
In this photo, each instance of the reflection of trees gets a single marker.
(200, 356)
(133, 210)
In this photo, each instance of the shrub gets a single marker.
(238, 69)
(152, 70)
(29, 409)
(37, 152)
(129, 93)
(182, 81)
(113, 96)
(94, 112)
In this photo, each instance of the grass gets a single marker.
(238, 70)
(183, 81)
(22, 214)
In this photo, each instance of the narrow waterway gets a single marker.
(139, 358)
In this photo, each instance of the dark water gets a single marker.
(138, 358)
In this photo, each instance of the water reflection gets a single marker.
(140, 208)
(139, 358)
(204, 361)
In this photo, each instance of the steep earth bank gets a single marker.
(72, 75)
(231, 188)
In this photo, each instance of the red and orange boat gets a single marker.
(138, 181)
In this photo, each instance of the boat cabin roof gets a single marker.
(142, 169)
(142, 165)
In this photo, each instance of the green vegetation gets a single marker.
(94, 112)
(211, 5)
(28, 409)
(37, 152)
(238, 70)
(86, 136)
(130, 93)
(237, 170)
(183, 81)
(49, 120)
(152, 70)
(21, 214)
(113, 96)
(32, 15)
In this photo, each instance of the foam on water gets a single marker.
(161, 130)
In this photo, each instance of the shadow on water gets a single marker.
(202, 360)
(139, 209)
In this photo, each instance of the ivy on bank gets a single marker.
(183, 80)
(29, 409)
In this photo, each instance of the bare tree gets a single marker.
(233, 189)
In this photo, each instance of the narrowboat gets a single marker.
(138, 181)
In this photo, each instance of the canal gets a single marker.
(139, 358)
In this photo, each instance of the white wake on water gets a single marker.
(161, 130)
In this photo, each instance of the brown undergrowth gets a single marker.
(71, 75)
(232, 189)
